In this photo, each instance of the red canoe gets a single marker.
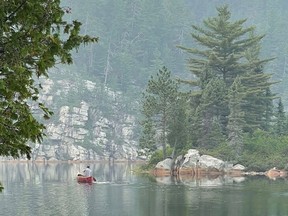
(84, 179)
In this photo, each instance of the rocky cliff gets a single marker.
(90, 122)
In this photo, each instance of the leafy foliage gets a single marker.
(157, 156)
(223, 151)
(263, 151)
(33, 38)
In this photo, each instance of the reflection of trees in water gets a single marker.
(113, 172)
(21, 174)
(63, 172)
(108, 171)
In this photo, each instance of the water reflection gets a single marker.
(203, 181)
(52, 189)
(63, 172)
(104, 172)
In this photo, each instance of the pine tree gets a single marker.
(227, 50)
(225, 44)
(147, 138)
(257, 102)
(236, 117)
(177, 125)
(268, 111)
(280, 125)
(212, 108)
(159, 101)
(259, 98)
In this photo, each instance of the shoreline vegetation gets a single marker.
(232, 115)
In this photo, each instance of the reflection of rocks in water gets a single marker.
(164, 180)
(202, 181)
(238, 179)
(275, 173)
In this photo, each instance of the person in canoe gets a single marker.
(87, 172)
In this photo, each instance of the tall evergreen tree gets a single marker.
(236, 116)
(177, 126)
(225, 44)
(268, 111)
(212, 108)
(259, 98)
(147, 138)
(158, 103)
(281, 123)
(258, 101)
(222, 53)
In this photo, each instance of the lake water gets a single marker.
(51, 189)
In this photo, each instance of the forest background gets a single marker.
(235, 112)
(139, 38)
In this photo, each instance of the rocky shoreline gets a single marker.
(199, 166)
(190, 165)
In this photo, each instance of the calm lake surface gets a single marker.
(51, 189)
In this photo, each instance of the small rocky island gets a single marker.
(196, 165)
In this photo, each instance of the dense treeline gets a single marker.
(136, 39)
(139, 37)
(225, 110)
(231, 104)
(230, 99)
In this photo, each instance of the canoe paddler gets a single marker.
(88, 172)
